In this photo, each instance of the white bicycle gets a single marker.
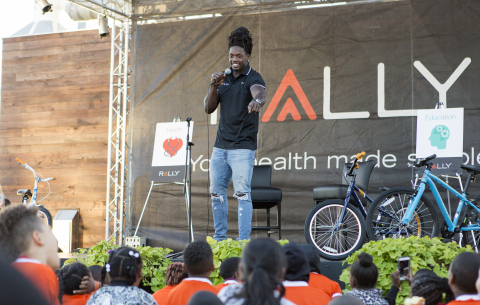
(27, 193)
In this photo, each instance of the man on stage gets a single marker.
(241, 94)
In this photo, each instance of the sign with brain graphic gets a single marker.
(169, 152)
(440, 132)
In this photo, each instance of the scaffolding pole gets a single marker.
(117, 132)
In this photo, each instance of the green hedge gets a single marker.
(424, 253)
(154, 262)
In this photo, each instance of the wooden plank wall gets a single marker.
(54, 116)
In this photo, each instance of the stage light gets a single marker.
(44, 5)
(103, 26)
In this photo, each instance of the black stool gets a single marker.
(266, 197)
(339, 191)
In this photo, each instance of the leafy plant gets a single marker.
(154, 261)
(424, 253)
(225, 249)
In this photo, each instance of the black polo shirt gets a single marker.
(238, 128)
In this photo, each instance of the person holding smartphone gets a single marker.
(363, 277)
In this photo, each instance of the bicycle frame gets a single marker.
(429, 179)
(353, 187)
(33, 201)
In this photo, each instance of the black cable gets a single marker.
(208, 168)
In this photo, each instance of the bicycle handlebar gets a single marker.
(34, 172)
(359, 156)
(424, 161)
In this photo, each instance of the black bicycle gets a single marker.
(337, 227)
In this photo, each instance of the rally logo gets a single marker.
(172, 146)
(168, 173)
(289, 108)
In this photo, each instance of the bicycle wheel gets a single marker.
(386, 212)
(331, 243)
(472, 237)
(45, 215)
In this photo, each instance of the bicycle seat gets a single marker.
(470, 168)
(24, 192)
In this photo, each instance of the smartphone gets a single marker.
(404, 267)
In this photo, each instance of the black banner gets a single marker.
(340, 80)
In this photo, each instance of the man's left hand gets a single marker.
(254, 106)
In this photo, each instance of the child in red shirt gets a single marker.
(198, 263)
(32, 242)
(317, 280)
(174, 275)
(229, 272)
(70, 277)
(462, 277)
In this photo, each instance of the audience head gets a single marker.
(425, 283)
(229, 268)
(124, 264)
(70, 277)
(345, 300)
(263, 264)
(363, 272)
(96, 271)
(297, 261)
(204, 298)
(463, 273)
(175, 274)
(198, 259)
(313, 257)
(16, 289)
(7, 202)
(23, 233)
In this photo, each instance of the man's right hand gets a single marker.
(218, 78)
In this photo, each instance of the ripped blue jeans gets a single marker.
(236, 165)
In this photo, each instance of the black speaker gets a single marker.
(333, 270)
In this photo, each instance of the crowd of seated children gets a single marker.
(266, 274)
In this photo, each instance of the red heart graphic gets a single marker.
(172, 146)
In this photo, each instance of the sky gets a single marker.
(14, 15)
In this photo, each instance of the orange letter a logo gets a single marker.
(289, 80)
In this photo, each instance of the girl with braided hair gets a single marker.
(174, 275)
(69, 279)
(241, 94)
(262, 266)
(124, 268)
(425, 283)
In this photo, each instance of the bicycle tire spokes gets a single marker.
(387, 213)
(330, 240)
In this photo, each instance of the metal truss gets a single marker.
(115, 9)
(116, 203)
(169, 10)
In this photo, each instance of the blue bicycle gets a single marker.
(403, 212)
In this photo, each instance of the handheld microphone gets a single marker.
(227, 71)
